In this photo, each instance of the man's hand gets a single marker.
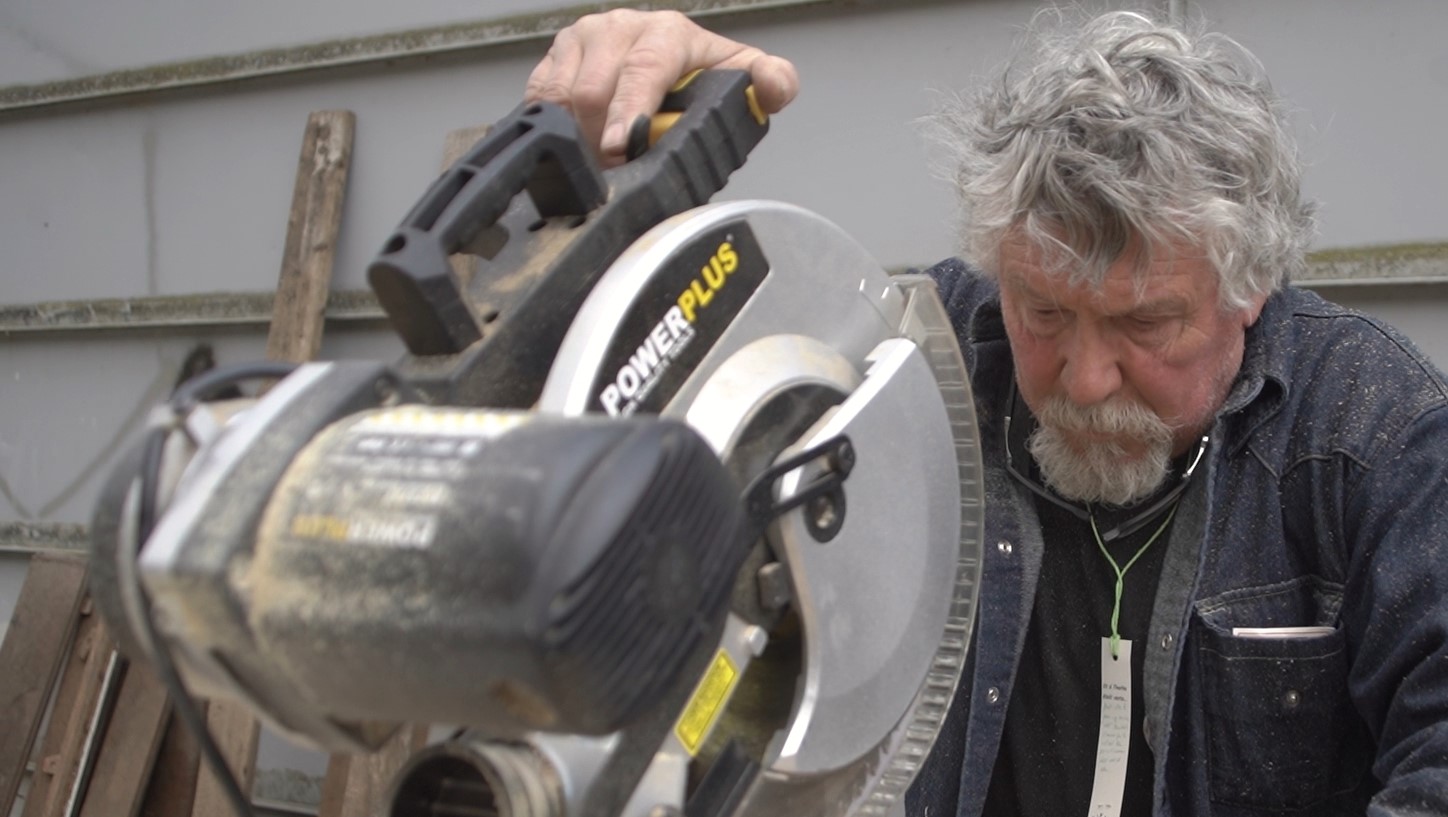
(610, 68)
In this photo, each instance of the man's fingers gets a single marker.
(533, 91)
(776, 83)
(552, 80)
(608, 69)
(646, 73)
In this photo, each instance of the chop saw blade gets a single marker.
(772, 332)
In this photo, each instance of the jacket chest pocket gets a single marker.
(1274, 702)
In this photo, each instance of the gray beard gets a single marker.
(1102, 473)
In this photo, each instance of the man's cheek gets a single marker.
(1036, 371)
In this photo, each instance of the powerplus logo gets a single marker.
(636, 378)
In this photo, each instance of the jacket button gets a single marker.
(1291, 698)
(1166, 641)
(993, 695)
(1004, 547)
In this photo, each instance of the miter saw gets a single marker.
(670, 509)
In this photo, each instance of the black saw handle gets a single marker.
(646, 131)
(530, 201)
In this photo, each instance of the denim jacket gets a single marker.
(1324, 503)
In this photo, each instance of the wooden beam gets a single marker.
(172, 790)
(236, 733)
(358, 786)
(296, 335)
(123, 764)
(71, 717)
(40, 634)
(311, 246)
(334, 786)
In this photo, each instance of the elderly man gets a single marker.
(1219, 496)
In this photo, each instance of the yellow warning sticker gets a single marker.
(442, 421)
(707, 703)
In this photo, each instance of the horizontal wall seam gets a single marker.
(378, 51)
(35, 537)
(1397, 265)
(217, 309)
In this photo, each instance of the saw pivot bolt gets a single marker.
(825, 511)
(825, 515)
(823, 498)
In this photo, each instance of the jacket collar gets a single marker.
(1262, 385)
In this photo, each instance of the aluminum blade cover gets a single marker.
(710, 316)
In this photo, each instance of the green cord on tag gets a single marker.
(1121, 574)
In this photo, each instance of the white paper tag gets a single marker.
(1114, 739)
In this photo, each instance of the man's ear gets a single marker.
(1252, 311)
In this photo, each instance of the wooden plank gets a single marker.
(296, 335)
(311, 245)
(369, 777)
(460, 141)
(236, 733)
(132, 737)
(172, 790)
(70, 716)
(41, 629)
(334, 786)
(355, 787)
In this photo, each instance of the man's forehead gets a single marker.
(1167, 274)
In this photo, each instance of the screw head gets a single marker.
(825, 515)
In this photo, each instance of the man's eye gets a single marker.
(1146, 327)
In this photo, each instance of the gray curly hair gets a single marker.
(1125, 129)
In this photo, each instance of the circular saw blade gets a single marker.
(711, 317)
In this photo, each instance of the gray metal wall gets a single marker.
(186, 192)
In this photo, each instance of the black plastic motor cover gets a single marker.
(501, 570)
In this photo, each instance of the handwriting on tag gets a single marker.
(1113, 742)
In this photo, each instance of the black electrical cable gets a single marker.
(209, 382)
(190, 714)
(186, 396)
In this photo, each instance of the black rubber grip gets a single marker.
(532, 194)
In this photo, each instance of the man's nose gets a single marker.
(1092, 371)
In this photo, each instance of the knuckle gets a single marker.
(561, 40)
(591, 94)
(674, 24)
(644, 61)
(605, 20)
(588, 21)
(554, 91)
(674, 18)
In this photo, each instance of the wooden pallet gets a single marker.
(112, 748)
